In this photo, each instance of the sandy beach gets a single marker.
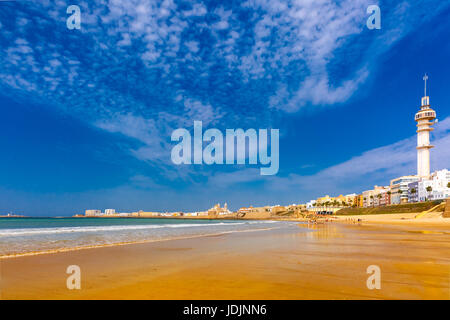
(413, 219)
(319, 261)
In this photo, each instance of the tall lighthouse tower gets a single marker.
(425, 119)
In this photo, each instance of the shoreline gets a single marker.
(107, 245)
(388, 220)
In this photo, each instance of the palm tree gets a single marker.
(327, 203)
(448, 185)
(371, 198)
(389, 194)
(413, 191)
(379, 197)
(429, 189)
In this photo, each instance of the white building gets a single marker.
(191, 214)
(350, 199)
(376, 197)
(413, 192)
(92, 212)
(425, 119)
(310, 204)
(399, 188)
(125, 214)
(217, 210)
(438, 184)
(110, 211)
(368, 196)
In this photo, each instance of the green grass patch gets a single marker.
(285, 213)
(398, 208)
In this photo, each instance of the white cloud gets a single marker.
(155, 133)
(308, 31)
(376, 166)
(99, 85)
(281, 34)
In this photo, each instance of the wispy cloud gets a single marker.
(143, 68)
(376, 166)
(160, 46)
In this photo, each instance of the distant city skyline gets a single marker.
(87, 114)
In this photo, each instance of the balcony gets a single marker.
(425, 115)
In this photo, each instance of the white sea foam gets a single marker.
(61, 230)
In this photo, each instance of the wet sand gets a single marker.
(323, 261)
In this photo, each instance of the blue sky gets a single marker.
(86, 115)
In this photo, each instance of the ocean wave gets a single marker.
(60, 230)
(37, 250)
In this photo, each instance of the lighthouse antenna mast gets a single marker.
(425, 78)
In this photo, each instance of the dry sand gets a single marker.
(321, 261)
(429, 219)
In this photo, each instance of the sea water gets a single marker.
(31, 235)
